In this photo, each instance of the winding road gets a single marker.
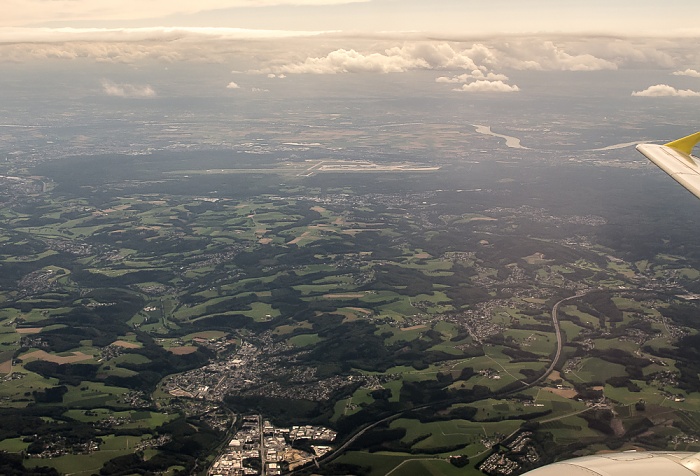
(557, 331)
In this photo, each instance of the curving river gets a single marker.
(512, 142)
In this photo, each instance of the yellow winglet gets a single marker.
(685, 144)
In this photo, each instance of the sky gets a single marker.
(434, 16)
(473, 46)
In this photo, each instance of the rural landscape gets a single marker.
(280, 307)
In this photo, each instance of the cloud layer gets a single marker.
(18, 12)
(296, 52)
(531, 55)
(456, 16)
(460, 64)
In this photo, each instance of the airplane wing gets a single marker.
(638, 463)
(676, 160)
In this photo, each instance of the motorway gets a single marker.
(557, 331)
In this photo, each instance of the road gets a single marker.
(261, 429)
(557, 331)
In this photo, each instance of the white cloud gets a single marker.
(397, 59)
(478, 58)
(484, 86)
(479, 81)
(233, 85)
(350, 61)
(259, 90)
(127, 90)
(688, 72)
(546, 55)
(625, 52)
(476, 74)
(664, 90)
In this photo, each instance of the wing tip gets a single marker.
(685, 144)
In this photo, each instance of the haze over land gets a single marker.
(402, 237)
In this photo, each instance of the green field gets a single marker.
(383, 464)
(89, 463)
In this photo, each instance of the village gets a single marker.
(248, 372)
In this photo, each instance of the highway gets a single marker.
(557, 331)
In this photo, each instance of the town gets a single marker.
(259, 447)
